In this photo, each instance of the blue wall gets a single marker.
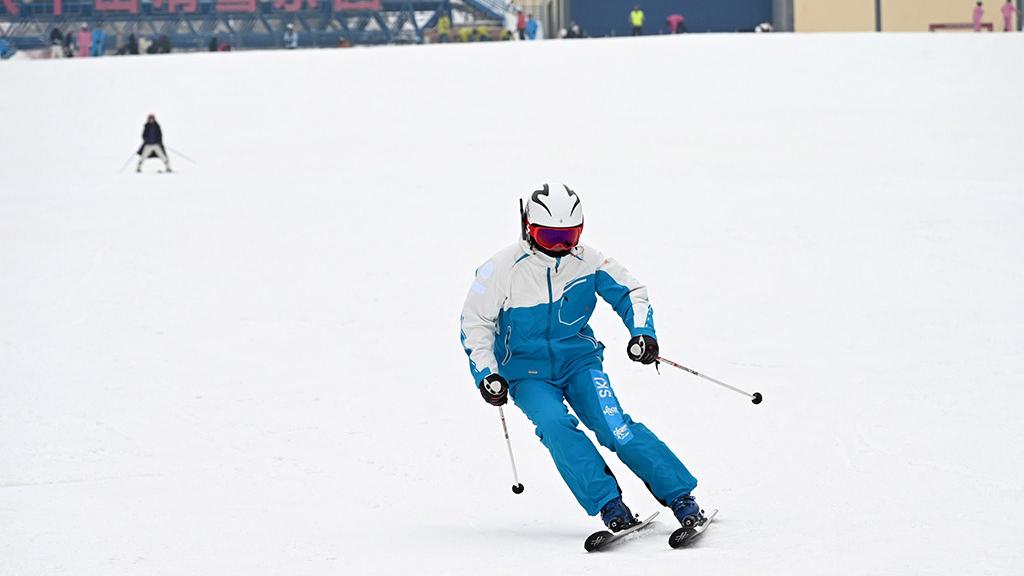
(611, 17)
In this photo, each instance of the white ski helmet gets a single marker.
(553, 218)
(554, 206)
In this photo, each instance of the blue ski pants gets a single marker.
(588, 390)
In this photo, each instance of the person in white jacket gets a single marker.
(291, 37)
(525, 330)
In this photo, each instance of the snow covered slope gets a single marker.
(252, 366)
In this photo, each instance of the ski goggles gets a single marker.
(556, 239)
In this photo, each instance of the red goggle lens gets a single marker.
(556, 238)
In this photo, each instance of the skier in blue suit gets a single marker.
(99, 42)
(525, 330)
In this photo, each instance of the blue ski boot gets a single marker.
(686, 510)
(616, 516)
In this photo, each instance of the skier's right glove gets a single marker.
(642, 349)
(494, 389)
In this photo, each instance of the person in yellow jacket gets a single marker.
(636, 18)
(444, 28)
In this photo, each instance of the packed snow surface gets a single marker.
(252, 366)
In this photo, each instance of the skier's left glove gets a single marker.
(494, 389)
(642, 349)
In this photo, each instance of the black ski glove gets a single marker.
(642, 349)
(494, 389)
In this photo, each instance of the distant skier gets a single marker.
(291, 37)
(977, 15)
(525, 330)
(56, 43)
(99, 42)
(444, 29)
(69, 45)
(84, 41)
(152, 144)
(636, 19)
(532, 27)
(163, 44)
(676, 23)
(1008, 11)
(6, 49)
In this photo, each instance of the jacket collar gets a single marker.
(541, 258)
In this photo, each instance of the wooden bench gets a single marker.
(959, 26)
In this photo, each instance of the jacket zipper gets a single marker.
(551, 306)
(508, 345)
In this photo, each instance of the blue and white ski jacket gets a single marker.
(526, 313)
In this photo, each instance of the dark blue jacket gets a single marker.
(151, 134)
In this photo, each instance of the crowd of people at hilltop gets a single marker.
(93, 42)
(88, 43)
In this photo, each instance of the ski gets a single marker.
(601, 540)
(685, 535)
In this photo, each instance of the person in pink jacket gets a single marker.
(84, 42)
(676, 23)
(1008, 10)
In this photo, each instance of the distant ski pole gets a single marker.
(756, 396)
(178, 152)
(517, 487)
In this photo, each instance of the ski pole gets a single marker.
(517, 488)
(756, 395)
(182, 155)
(127, 162)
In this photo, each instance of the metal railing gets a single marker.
(261, 25)
(493, 8)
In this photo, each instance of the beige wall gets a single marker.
(834, 15)
(915, 15)
(897, 15)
